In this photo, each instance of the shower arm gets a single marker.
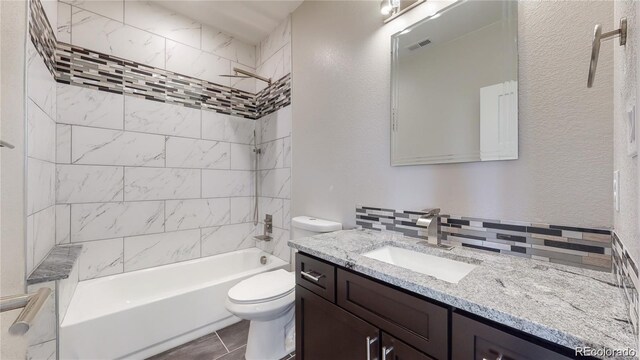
(247, 74)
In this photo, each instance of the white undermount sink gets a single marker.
(441, 268)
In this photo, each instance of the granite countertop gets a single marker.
(565, 305)
(57, 265)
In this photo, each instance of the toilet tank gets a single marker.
(304, 226)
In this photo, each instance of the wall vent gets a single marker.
(420, 44)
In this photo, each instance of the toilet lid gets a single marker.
(263, 287)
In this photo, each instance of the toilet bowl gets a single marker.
(267, 300)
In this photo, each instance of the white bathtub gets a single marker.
(142, 313)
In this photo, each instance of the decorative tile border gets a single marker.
(42, 35)
(581, 247)
(82, 67)
(626, 273)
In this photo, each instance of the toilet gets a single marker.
(267, 300)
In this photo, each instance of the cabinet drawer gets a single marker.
(417, 322)
(316, 275)
(474, 340)
(394, 349)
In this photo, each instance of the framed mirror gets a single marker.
(454, 84)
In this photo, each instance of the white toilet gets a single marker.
(267, 300)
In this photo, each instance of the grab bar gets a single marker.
(32, 303)
(598, 36)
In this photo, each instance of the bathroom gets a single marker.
(307, 179)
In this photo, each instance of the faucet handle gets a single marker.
(431, 211)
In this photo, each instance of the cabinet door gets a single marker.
(475, 340)
(324, 331)
(417, 322)
(394, 349)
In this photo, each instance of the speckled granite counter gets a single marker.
(57, 265)
(565, 305)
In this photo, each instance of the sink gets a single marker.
(441, 268)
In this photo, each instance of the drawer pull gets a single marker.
(311, 277)
(497, 354)
(386, 351)
(370, 342)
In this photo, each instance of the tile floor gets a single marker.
(225, 344)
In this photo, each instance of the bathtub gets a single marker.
(142, 313)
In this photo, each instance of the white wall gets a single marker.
(626, 221)
(341, 121)
(13, 15)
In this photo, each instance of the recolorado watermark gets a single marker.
(601, 353)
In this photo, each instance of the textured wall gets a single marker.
(13, 15)
(626, 222)
(341, 94)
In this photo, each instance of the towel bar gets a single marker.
(598, 37)
(32, 303)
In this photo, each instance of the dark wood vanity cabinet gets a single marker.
(394, 349)
(324, 331)
(472, 339)
(341, 315)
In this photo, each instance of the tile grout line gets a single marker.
(222, 342)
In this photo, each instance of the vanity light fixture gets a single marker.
(391, 9)
(385, 8)
(405, 31)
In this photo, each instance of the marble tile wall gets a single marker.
(145, 183)
(41, 141)
(145, 33)
(142, 183)
(41, 168)
(274, 164)
(273, 54)
(273, 60)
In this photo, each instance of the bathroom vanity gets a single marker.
(353, 306)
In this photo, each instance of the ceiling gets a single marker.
(246, 20)
(454, 21)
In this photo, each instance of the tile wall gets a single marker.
(273, 59)
(596, 249)
(41, 149)
(581, 247)
(626, 273)
(142, 32)
(142, 183)
(41, 169)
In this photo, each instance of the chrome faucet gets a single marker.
(268, 229)
(431, 220)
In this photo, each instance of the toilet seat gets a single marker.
(263, 288)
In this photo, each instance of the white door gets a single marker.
(13, 16)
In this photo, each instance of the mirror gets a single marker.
(454, 84)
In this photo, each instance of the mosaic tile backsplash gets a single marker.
(596, 249)
(79, 66)
(626, 273)
(581, 247)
